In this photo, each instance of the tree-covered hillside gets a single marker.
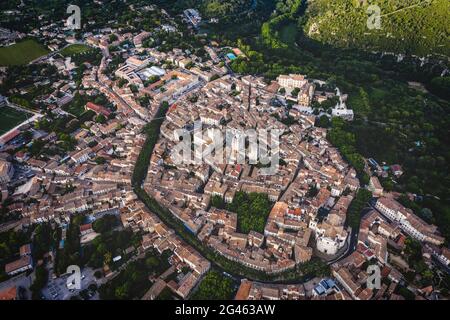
(221, 8)
(213, 8)
(416, 27)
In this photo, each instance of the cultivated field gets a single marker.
(9, 118)
(21, 52)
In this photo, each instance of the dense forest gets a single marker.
(223, 8)
(415, 27)
(215, 286)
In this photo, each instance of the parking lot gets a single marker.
(57, 289)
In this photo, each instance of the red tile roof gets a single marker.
(85, 227)
(98, 109)
(8, 293)
(25, 250)
(9, 136)
(20, 263)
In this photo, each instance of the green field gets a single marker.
(74, 49)
(10, 118)
(21, 53)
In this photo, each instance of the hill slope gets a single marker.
(416, 27)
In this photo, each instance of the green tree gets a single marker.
(215, 286)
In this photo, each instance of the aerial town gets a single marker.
(88, 178)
